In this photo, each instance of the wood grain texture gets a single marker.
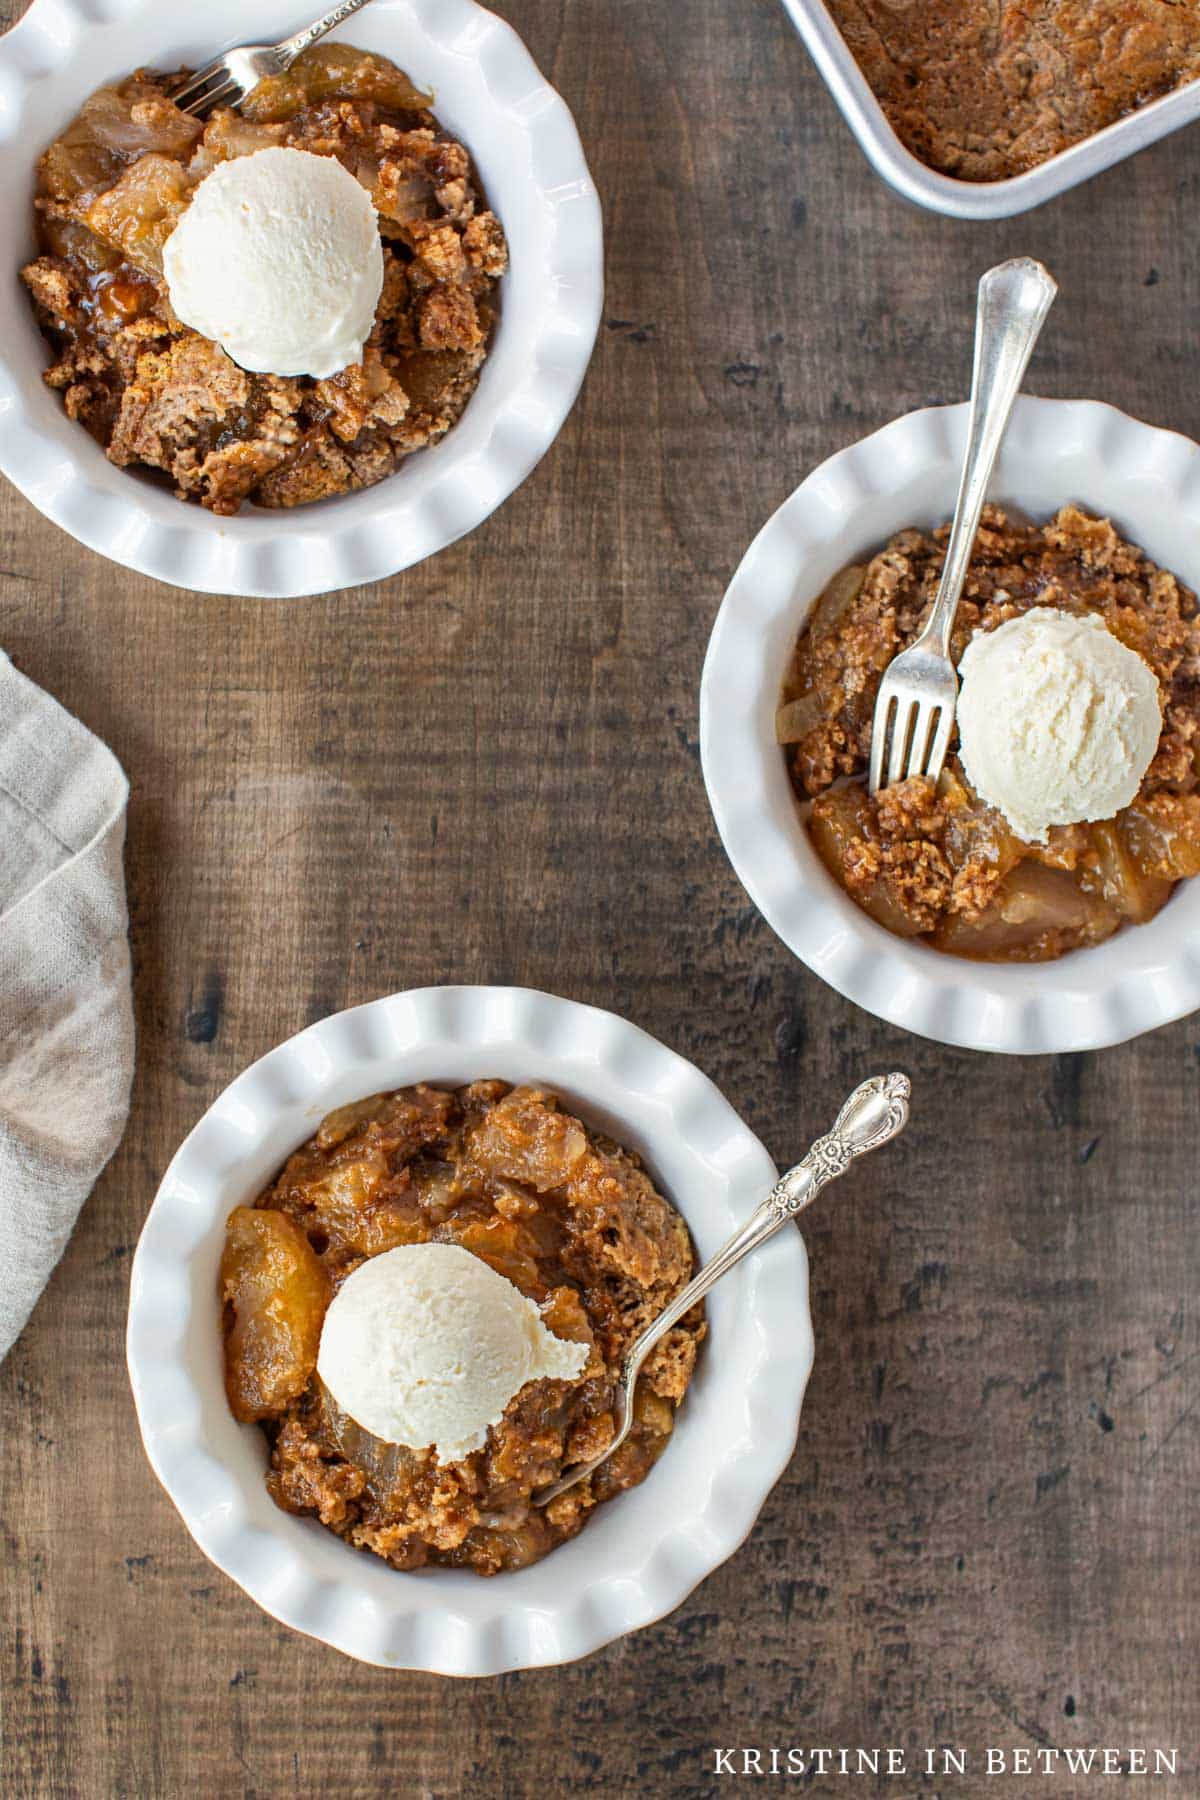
(487, 770)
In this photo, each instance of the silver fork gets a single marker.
(228, 80)
(876, 1112)
(914, 710)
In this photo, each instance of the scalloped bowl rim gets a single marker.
(488, 89)
(641, 1554)
(1148, 481)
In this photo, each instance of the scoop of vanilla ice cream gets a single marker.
(278, 258)
(1057, 720)
(426, 1345)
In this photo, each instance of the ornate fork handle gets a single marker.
(292, 47)
(875, 1112)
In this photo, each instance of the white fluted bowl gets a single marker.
(487, 91)
(641, 1553)
(1056, 451)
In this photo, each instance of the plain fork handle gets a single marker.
(293, 47)
(1014, 299)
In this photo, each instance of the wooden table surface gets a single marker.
(487, 770)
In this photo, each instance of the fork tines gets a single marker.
(209, 88)
(911, 738)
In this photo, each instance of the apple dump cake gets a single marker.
(427, 1311)
(985, 89)
(939, 863)
(274, 306)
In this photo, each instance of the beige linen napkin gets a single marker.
(66, 1015)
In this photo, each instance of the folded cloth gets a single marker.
(66, 1014)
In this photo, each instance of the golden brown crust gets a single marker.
(985, 89)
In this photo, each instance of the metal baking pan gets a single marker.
(974, 199)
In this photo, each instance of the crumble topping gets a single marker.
(569, 1217)
(159, 396)
(937, 862)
